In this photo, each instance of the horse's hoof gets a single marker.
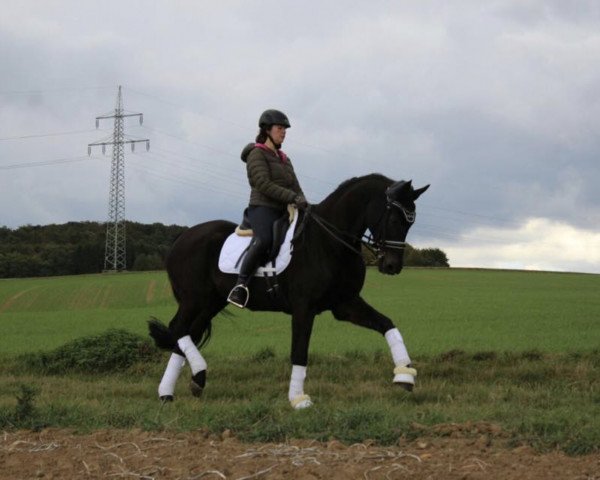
(166, 398)
(406, 386)
(301, 402)
(405, 377)
(196, 389)
(198, 383)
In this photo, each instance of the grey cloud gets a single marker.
(496, 104)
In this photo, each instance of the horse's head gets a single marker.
(389, 224)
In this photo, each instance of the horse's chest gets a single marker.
(348, 281)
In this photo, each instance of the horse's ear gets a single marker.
(417, 193)
(395, 190)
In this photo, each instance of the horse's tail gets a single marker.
(164, 340)
(161, 335)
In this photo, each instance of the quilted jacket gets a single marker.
(272, 179)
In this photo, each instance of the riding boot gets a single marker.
(240, 294)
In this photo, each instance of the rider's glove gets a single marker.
(301, 202)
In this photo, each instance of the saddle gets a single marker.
(280, 228)
(235, 247)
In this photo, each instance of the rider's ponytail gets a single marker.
(262, 136)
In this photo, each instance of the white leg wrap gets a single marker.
(197, 362)
(296, 394)
(400, 356)
(169, 379)
(396, 343)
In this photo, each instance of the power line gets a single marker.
(222, 152)
(208, 147)
(42, 135)
(219, 170)
(191, 182)
(51, 90)
(318, 190)
(452, 234)
(470, 214)
(229, 179)
(186, 107)
(47, 162)
(223, 181)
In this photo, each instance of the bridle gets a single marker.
(377, 243)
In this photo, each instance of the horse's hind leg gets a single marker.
(178, 337)
(165, 337)
(186, 350)
(187, 338)
(166, 388)
(197, 363)
(186, 344)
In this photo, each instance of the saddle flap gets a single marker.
(280, 228)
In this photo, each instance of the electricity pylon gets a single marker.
(115, 251)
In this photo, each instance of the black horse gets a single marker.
(326, 272)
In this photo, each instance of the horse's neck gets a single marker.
(348, 212)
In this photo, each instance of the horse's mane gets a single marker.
(351, 182)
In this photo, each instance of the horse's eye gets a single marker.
(394, 220)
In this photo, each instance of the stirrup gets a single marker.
(236, 301)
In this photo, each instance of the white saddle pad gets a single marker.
(235, 245)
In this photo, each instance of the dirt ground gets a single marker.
(134, 454)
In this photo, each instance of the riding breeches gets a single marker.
(261, 220)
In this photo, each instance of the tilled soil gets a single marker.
(135, 454)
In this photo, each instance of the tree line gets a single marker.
(78, 247)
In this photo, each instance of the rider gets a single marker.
(274, 185)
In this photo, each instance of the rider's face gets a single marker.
(278, 133)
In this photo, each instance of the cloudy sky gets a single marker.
(496, 104)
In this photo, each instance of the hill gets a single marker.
(78, 247)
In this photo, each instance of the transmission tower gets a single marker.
(114, 256)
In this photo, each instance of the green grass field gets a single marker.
(436, 311)
(516, 350)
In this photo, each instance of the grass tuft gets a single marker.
(25, 414)
(112, 351)
(263, 354)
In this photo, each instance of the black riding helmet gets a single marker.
(273, 117)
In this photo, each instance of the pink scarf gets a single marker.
(282, 156)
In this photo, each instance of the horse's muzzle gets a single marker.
(390, 266)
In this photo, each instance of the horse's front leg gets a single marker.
(302, 323)
(359, 312)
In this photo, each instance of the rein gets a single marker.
(335, 232)
(375, 244)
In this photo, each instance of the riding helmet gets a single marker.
(273, 117)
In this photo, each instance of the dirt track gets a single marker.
(60, 454)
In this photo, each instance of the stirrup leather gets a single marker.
(235, 301)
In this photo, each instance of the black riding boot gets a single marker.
(240, 294)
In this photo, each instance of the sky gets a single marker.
(496, 104)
